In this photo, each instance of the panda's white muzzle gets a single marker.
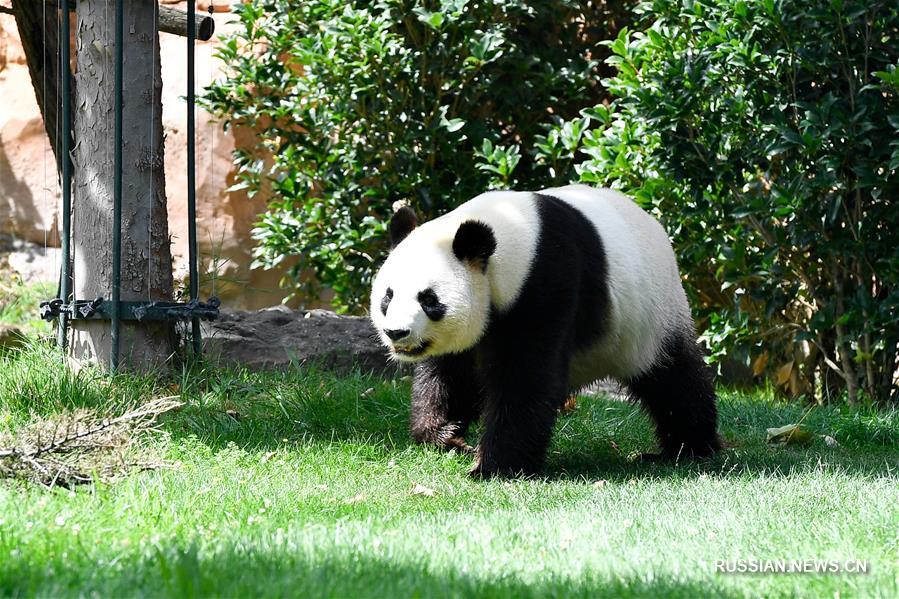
(403, 343)
(413, 350)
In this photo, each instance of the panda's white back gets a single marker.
(647, 300)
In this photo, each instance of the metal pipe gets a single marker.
(191, 166)
(117, 184)
(65, 92)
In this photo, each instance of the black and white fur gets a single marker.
(515, 299)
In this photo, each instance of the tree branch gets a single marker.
(171, 20)
(174, 21)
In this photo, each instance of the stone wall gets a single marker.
(29, 191)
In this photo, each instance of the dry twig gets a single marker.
(80, 446)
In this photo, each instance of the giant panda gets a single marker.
(514, 300)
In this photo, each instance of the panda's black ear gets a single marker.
(474, 243)
(402, 223)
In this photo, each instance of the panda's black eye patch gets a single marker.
(431, 305)
(385, 301)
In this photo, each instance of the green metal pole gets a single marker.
(191, 175)
(66, 164)
(117, 184)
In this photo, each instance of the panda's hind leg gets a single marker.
(679, 394)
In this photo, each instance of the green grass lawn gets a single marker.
(300, 484)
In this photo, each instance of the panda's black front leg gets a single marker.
(520, 408)
(445, 400)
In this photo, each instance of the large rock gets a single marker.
(278, 337)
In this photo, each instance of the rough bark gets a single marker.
(146, 257)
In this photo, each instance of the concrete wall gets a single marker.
(29, 191)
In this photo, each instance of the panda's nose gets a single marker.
(396, 334)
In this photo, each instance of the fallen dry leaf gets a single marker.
(418, 489)
(759, 364)
(355, 499)
(790, 434)
(783, 374)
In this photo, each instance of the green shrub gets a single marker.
(766, 135)
(357, 105)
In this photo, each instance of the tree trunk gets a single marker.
(146, 272)
(843, 348)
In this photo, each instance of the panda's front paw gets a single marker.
(478, 472)
(486, 468)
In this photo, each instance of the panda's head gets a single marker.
(431, 296)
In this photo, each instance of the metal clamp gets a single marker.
(88, 309)
(141, 311)
(100, 309)
(80, 309)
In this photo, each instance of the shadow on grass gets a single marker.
(605, 439)
(259, 411)
(178, 571)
